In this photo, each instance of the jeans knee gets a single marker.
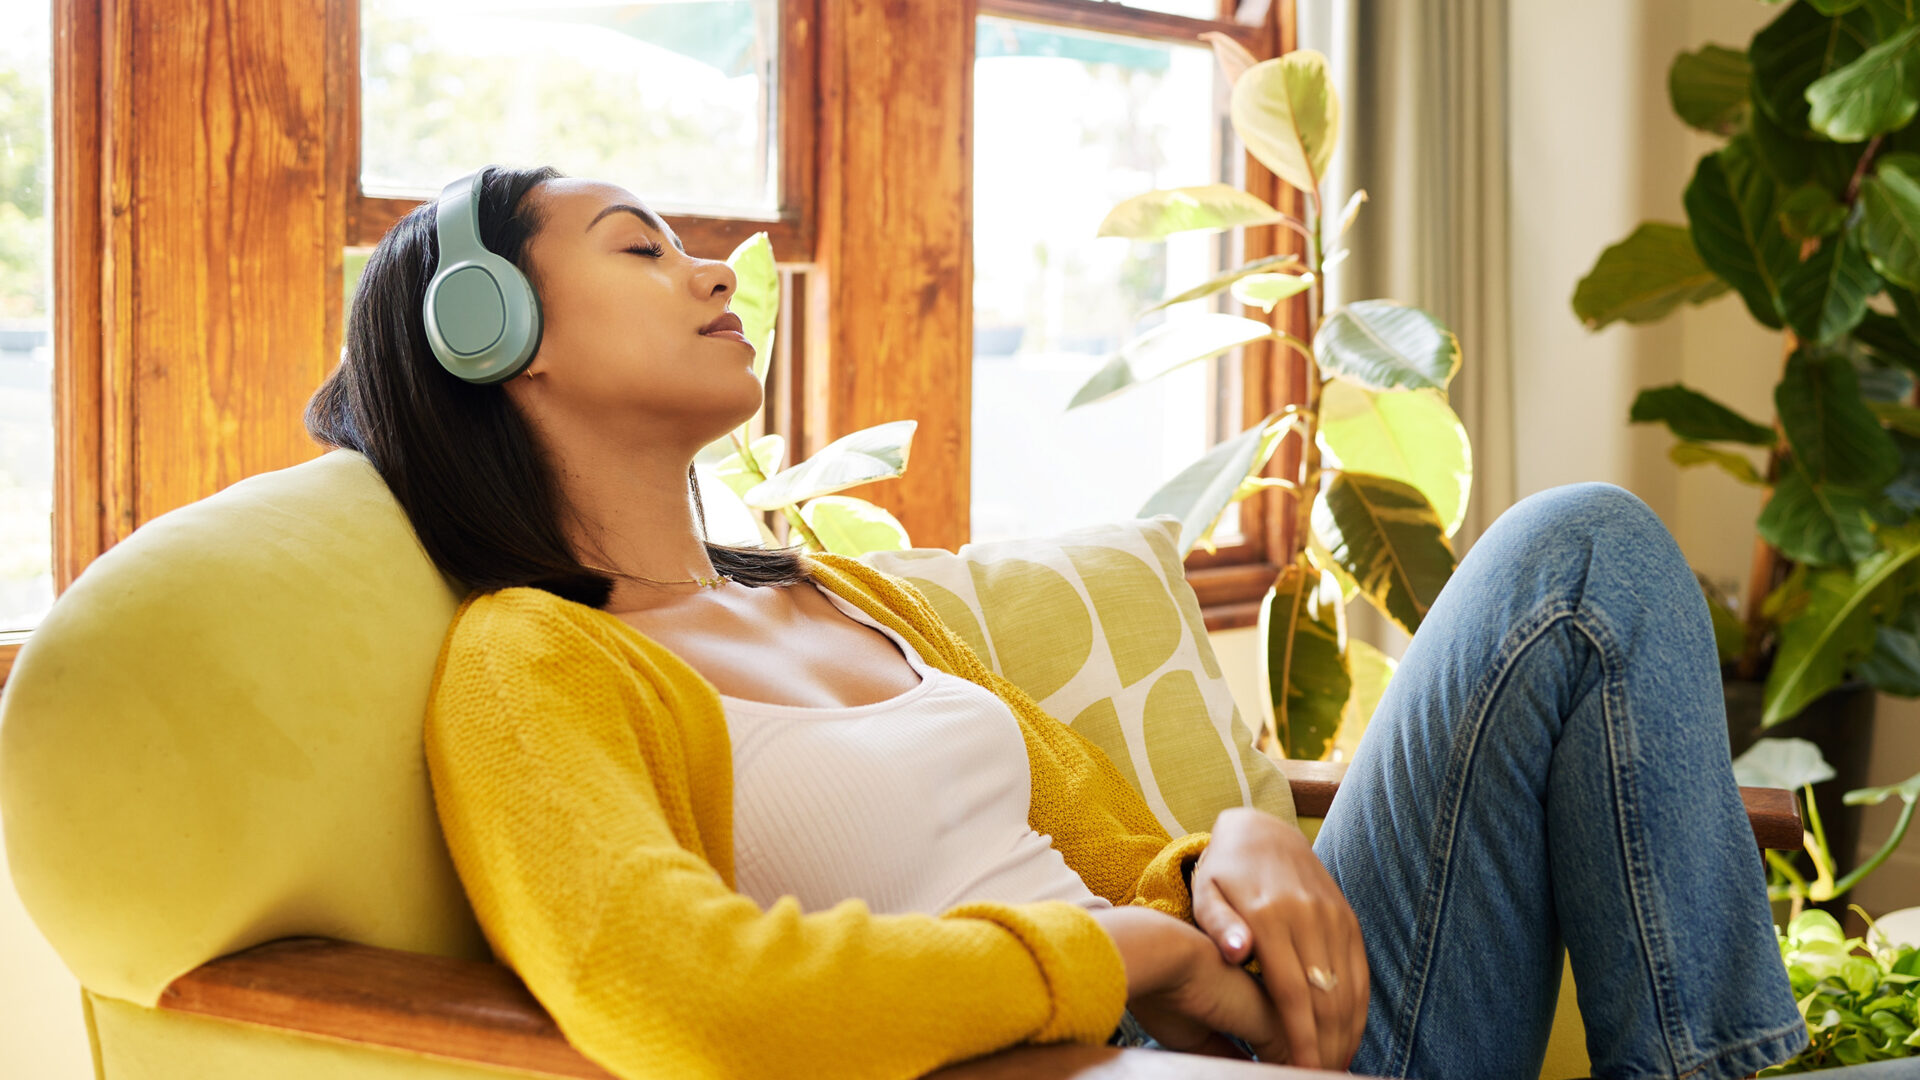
(1594, 511)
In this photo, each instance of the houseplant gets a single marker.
(1385, 468)
(1858, 995)
(1810, 212)
(804, 492)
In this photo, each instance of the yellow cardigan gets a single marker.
(584, 781)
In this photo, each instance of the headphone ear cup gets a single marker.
(482, 318)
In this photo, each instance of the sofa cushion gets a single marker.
(1100, 626)
(213, 739)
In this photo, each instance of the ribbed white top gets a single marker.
(915, 803)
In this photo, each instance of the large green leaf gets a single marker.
(876, 453)
(1826, 295)
(1733, 206)
(1387, 346)
(756, 297)
(1836, 629)
(1894, 664)
(1890, 224)
(1799, 47)
(1875, 94)
(1168, 347)
(1199, 492)
(769, 453)
(850, 526)
(1287, 114)
(1887, 340)
(1371, 670)
(1811, 210)
(1687, 453)
(1836, 441)
(1823, 526)
(1693, 415)
(1408, 435)
(1709, 88)
(1160, 214)
(1643, 278)
(1386, 535)
(1271, 264)
(1305, 676)
(1781, 763)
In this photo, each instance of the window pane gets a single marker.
(675, 101)
(1066, 124)
(1196, 9)
(26, 324)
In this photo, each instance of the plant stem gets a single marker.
(794, 520)
(1766, 565)
(1309, 431)
(1886, 849)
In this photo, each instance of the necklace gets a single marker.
(704, 582)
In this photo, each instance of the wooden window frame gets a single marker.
(790, 230)
(1231, 580)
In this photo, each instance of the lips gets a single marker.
(727, 320)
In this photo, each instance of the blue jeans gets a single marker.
(1549, 766)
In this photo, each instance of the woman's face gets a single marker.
(622, 308)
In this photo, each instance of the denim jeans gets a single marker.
(1549, 768)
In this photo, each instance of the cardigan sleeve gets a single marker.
(561, 781)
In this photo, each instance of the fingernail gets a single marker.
(1235, 939)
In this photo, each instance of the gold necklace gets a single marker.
(704, 582)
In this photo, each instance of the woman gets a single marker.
(744, 812)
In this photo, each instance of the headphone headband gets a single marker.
(481, 315)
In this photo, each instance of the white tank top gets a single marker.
(912, 804)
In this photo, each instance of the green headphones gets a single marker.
(482, 318)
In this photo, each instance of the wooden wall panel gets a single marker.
(895, 248)
(232, 251)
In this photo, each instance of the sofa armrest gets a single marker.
(479, 1013)
(1774, 813)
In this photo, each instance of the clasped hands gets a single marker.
(1259, 893)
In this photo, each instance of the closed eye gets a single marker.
(652, 249)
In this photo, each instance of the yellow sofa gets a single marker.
(212, 742)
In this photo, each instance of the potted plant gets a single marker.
(1385, 468)
(1859, 995)
(1810, 211)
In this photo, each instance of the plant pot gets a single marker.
(1840, 723)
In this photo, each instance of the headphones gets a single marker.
(482, 318)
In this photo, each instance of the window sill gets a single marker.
(1230, 596)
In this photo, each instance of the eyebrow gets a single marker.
(643, 214)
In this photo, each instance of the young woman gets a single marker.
(741, 812)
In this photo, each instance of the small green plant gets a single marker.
(803, 492)
(1859, 996)
(1384, 468)
(1796, 764)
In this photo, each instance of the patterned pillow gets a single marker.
(1100, 626)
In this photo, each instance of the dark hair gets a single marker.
(459, 457)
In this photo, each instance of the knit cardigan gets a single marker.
(584, 782)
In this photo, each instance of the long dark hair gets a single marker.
(458, 457)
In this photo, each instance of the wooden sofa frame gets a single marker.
(481, 1014)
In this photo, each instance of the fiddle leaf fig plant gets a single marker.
(1384, 470)
(1809, 211)
(805, 492)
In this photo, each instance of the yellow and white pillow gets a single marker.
(1100, 626)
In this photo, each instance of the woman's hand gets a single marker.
(1259, 891)
(1182, 991)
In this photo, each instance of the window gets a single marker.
(26, 352)
(1120, 116)
(701, 107)
(677, 101)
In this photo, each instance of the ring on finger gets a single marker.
(1321, 979)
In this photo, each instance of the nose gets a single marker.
(713, 278)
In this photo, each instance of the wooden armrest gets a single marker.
(481, 1014)
(1773, 812)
